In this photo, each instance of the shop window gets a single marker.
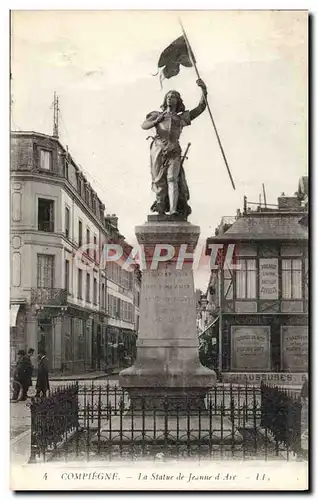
(80, 341)
(68, 346)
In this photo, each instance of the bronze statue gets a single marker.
(168, 177)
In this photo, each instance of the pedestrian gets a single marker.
(42, 381)
(27, 382)
(19, 377)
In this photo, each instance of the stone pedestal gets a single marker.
(167, 365)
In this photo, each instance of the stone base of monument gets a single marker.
(172, 429)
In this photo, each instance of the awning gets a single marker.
(14, 309)
(206, 333)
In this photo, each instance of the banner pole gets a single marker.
(207, 104)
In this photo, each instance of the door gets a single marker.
(45, 332)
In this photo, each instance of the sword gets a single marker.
(184, 157)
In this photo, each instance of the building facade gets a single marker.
(59, 293)
(262, 297)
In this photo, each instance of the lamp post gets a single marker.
(204, 303)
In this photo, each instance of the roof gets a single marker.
(265, 226)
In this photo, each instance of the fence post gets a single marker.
(263, 405)
(34, 448)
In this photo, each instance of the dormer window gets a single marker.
(45, 159)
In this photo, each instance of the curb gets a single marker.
(17, 438)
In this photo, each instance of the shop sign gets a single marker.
(268, 279)
(294, 342)
(273, 378)
(250, 348)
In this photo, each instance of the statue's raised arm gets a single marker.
(168, 178)
(195, 112)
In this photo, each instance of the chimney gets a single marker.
(289, 203)
(113, 219)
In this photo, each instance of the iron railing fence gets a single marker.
(281, 415)
(53, 419)
(98, 421)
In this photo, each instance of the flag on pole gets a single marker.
(172, 57)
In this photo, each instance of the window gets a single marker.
(87, 196)
(79, 182)
(46, 215)
(124, 277)
(95, 249)
(95, 291)
(130, 280)
(103, 296)
(67, 276)
(94, 204)
(246, 279)
(80, 233)
(67, 222)
(66, 169)
(112, 305)
(137, 324)
(118, 308)
(80, 284)
(45, 271)
(45, 159)
(291, 279)
(88, 285)
(88, 240)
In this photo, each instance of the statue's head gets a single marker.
(173, 98)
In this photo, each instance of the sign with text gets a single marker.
(272, 378)
(294, 348)
(268, 279)
(250, 347)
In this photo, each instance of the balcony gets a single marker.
(49, 296)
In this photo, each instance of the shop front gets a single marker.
(272, 348)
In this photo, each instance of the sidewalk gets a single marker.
(60, 377)
(80, 376)
(20, 434)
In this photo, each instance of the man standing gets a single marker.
(42, 381)
(19, 376)
(27, 382)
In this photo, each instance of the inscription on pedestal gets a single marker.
(168, 303)
(167, 361)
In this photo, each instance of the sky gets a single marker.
(101, 64)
